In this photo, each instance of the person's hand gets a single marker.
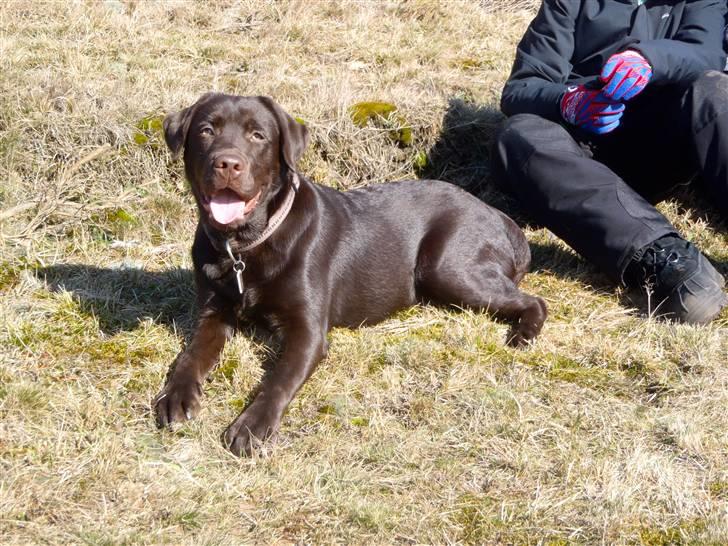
(591, 110)
(625, 75)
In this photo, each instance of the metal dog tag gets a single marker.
(238, 266)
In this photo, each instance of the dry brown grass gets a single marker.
(425, 429)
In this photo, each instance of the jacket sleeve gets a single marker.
(697, 46)
(542, 65)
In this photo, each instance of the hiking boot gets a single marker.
(682, 283)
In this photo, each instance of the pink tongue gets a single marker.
(226, 206)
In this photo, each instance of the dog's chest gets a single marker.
(237, 288)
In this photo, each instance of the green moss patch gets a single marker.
(383, 115)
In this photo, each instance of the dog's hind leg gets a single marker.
(486, 288)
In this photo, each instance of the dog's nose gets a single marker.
(229, 165)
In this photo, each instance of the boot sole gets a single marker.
(711, 308)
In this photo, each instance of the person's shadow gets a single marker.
(462, 155)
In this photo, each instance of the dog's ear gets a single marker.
(294, 135)
(175, 129)
(177, 125)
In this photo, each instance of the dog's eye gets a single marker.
(257, 136)
(207, 131)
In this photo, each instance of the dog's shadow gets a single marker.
(121, 298)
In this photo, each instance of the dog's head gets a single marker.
(238, 152)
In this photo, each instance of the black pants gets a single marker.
(597, 192)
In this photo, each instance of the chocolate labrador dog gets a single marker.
(304, 258)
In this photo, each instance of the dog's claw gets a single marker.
(178, 402)
(250, 430)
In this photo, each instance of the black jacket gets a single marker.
(570, 40)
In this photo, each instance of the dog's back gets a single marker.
(384, 239)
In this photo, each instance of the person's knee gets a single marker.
(713, 83)
(520, 137)
(513, 144)
(521, 129)
(709, 96)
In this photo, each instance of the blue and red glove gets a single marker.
(625, 75)
(591, 110)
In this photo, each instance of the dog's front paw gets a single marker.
(178, 401)
(252, 427)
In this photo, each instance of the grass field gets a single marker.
(612, 428)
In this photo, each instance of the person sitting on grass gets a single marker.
(613, 103)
